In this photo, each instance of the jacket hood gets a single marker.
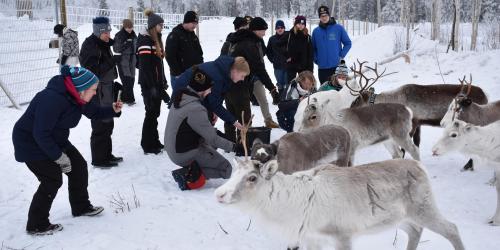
(224, 64)
(189, 98)
(56, 83)
(243, 34)
(331, 22)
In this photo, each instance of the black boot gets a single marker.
(52, 228)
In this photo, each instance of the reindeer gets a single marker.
(299, 151)
(465, 109)
(471, 139)
(429, 103)
(338, 202)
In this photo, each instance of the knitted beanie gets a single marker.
(82, 78)
(342, 70)
(258, 23)
(153, 19)
(100, 25)
(323, 10)
(190, 17)
(239, 22)
(280, 24)
(300, 19)
(200, 81)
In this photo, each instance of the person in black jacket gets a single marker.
(299, 49)
(250, 45)
(183, 46)
(228, 48)
(276, 53)
(41, 140)
(298, 89)
(96, 56)
(152, 80)
(124, 48)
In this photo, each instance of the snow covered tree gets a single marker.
(391, 11)
(436, 19)
(476, 11)
(140, 5)
(103, 6)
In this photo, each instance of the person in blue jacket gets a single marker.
(225, 71)
(40, 140)
(331, 44)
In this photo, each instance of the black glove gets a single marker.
(276, 96)
(64, 59)
(165, 96)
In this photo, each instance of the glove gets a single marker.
(64, 162)
(276, 96)
(165, 96)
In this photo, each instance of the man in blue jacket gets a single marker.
(224, 71)
(330, 44)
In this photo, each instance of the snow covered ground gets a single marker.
(170, 219)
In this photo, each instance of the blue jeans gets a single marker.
(281, 78)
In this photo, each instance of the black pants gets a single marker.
(50, 177)
(150, 139)
(237, 100)
(325, 74)
(101, 144)
(128, 87)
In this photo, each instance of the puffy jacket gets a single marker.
(299, 50)
(253, 49)
(188, 126)
(330, 43)
(151, 72)
(276, 51)
(220, 72)
(124, 48)
(291, 98)
(97, 57)
(183, 50)
(70, 47)
(42, 131)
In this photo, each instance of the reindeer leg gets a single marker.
(495, 221)
(414, 233)
(416, 136)
(343, 243)
(408, 145)
(393, 149)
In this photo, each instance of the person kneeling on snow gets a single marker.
(40, 140)
(298, 89)
(190, 138)
(337, 80)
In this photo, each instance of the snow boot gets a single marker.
(51, 229)
(91, 211)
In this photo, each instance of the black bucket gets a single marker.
(263, 133)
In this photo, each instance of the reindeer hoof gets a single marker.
(469, 166)
(494, 222)
(292, 248)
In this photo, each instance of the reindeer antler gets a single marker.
(462, 85)
(367, 84)
(243, 133)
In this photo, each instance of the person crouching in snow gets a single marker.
(190, 138)
(40, 140)
(337, 80)
(298, 89)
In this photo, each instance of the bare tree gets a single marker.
(379, 14)
(476, 12)
(436, 19)
(456, 25)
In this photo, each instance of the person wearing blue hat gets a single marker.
(40, 139)
(276, 53)
(97, 57)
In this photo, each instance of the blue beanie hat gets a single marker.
(279, 23)
(82, 78)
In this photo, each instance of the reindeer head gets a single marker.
(263, 152)
(454, 138)
(461, 102)
(366, 84)
(248, 178)
(312, 115)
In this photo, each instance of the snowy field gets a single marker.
(170, 219)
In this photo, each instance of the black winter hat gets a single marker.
(190, 17)
(258, 23)
(200, 81)
(323, 10)
(58, 29)
(239, 22)
(153, 19)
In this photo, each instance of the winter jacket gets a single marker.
(188, 127)
(70, 47)
(291, 98)
(328, 85)
(220, 72)
(253, 49)
(330, 43)
(124, 48)
(183, 50)
(151, 72)
(42, 131)
(276, 51)
(97, 57)
(299, 50)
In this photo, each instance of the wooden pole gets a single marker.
(64, 19)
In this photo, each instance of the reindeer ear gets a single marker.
(269, 169)
(256, 142)
(238, 162)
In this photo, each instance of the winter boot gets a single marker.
(195, 178)
(91, 211)
(51, 229)
(270, 123)
(180, 177)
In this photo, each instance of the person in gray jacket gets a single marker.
(191, 141)
(124, 48)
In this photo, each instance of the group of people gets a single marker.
(199, 90)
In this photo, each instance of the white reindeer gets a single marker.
(474, 140)
(338, 202)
